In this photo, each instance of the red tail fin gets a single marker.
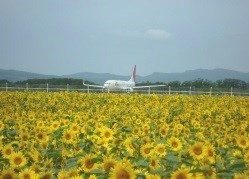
(133, 77)
(134, 74)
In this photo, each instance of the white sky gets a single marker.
(69, 36)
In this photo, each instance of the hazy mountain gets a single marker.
(100, 78)
(15, 75)
(212, 75)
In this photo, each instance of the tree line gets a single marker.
(203, 83)
(197, 83)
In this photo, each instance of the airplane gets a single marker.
(122, 85)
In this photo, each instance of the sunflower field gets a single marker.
(76, 135)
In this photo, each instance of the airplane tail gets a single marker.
(133, 77)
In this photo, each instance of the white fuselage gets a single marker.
(119, 85)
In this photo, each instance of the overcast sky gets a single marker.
(67, 36)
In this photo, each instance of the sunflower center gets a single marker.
(18, 160)
(147, 150)
(8, 152)
(153, 163)
(181, 176)
(25, 137)
(210, 153)
(107, 134)
(39, 158)
(26, 176)
(208, 173)
(68, 136)
(161, 150)
(243, 142)
(7, 176)
(40, 136)
(122, 174)
(198, 150)
(163, 132)
(108, 165)
(89, 164)
(174, 144)
(47, 176)
(75, 128)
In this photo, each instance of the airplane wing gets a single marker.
(97, 86)
(150, 86)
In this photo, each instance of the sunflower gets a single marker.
(246, 157)
(7, 151)
(240, 176)
(136, 132)
(55, 125)
(48, 163)
(68, 137)
(174, 144)
(41, 136)
(154, 162)
(87, 163)
(198, 175)
(163, 130)
(129, 146)
(93, 177)
(106, 133)
(17, 159)
(243, 142)
(1, 125)
(138, 121)
(160, 150)
(35, 167)
(44, 144)
(28, 174)
(197, 151)
(210, 153)
(72, 173)
(146, 150)
(108, 163)
(209, 172)
(47, 175)
(36, 156)
(24, 136)
(152, 176)
(75, 128)
(62, 174)
(8, 174)
(181, 173)
(77, 177)
(123, 170)
(145, 139)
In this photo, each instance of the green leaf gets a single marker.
(72, 164)
(225, 175)
(142, 163)
(237, 166)
(172, 158)
(127, 129)
(96, 171)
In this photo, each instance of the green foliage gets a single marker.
(197, 84)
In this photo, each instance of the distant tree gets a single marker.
(187, 84)
(201, 83)
(175, 84)
(235, 83)
(5, 81)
